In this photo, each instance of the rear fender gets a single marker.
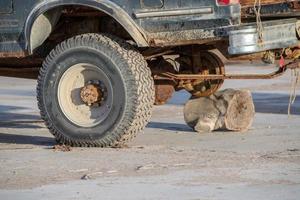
(105, 6)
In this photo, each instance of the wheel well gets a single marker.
(60, 23)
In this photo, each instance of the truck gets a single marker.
(101, 65)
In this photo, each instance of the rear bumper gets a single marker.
(276, 34)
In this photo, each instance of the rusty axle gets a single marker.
(275, 74)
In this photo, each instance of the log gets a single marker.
(224, 110)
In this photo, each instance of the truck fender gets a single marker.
(106, 6)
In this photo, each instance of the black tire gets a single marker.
(133, 90)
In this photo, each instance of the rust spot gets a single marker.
(91, 94)
(19, 54)
(263, 2)
(163, 93)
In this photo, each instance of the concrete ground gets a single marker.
(167, 161)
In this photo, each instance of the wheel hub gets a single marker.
(85, 95)
(91, 94)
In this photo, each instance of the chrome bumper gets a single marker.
(276, 34)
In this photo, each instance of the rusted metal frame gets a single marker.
(293, 65)
(245, 3)
(225, 76)
(272, 75)
(162, 53)
(18, 54)
(29, 73)
(294, 8)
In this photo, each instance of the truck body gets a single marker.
(148, 22)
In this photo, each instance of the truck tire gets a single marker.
(95, 90)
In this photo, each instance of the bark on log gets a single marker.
(226, 110)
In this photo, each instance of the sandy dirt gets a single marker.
(167, 161)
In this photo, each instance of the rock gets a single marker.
(227, 110)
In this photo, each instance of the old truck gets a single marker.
(100, 64)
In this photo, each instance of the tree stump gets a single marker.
(224, 110)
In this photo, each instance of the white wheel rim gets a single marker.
(70, 102)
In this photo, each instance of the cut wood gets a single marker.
(227, 110)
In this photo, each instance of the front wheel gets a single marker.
(95, 90)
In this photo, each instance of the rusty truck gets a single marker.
(101, 64)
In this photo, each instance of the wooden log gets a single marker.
(226, 110)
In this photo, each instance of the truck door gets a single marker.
(180, 21)
(5, 6)
(12, 19)
(173, 15)
(152, 4)
(8, 26)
